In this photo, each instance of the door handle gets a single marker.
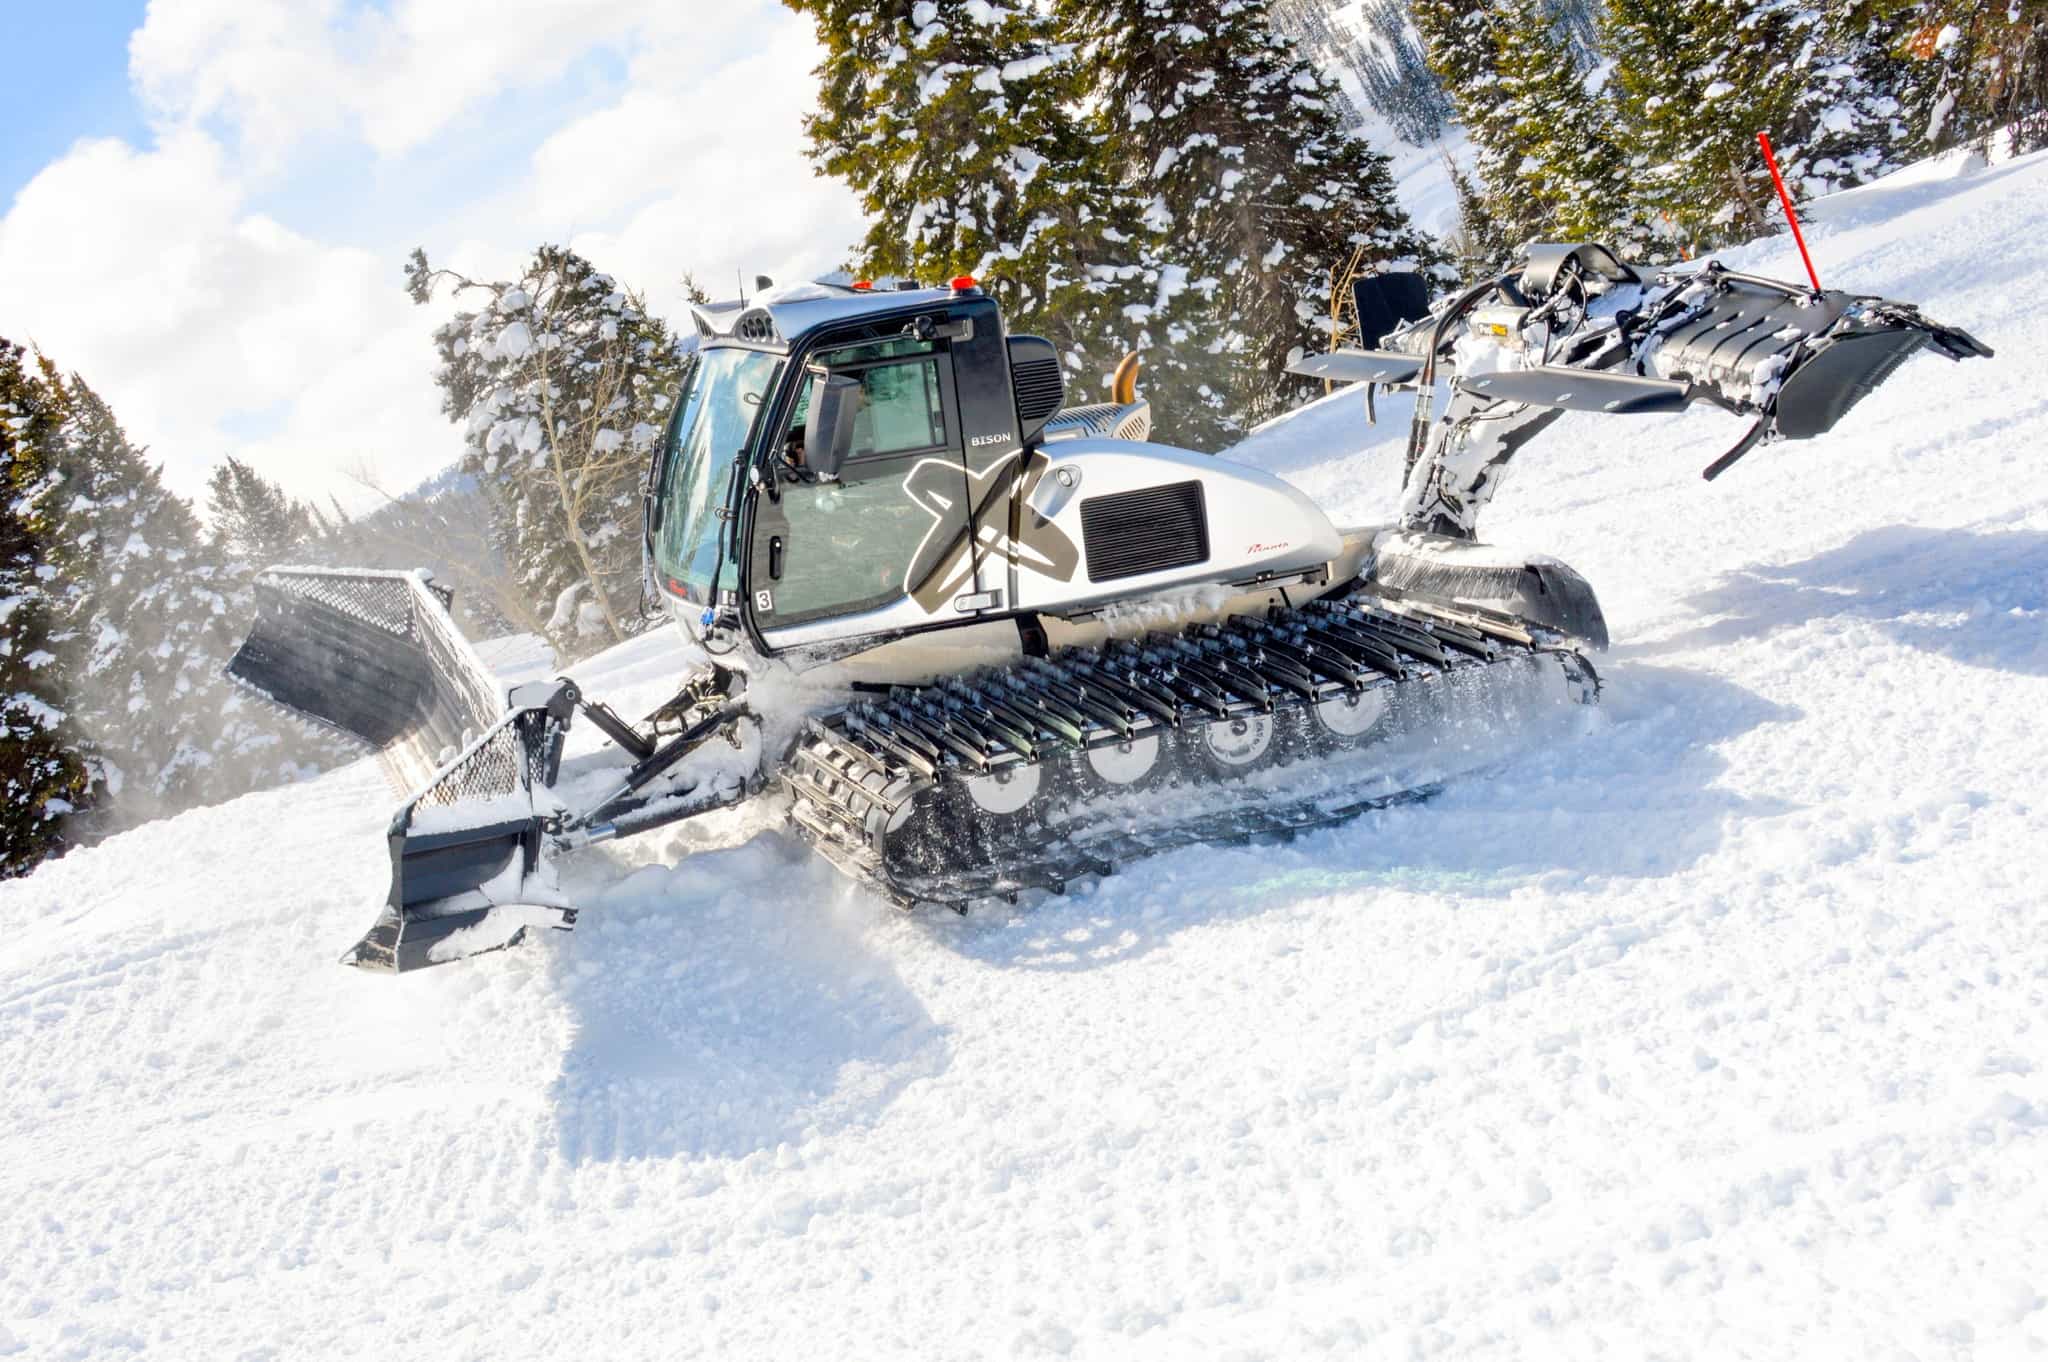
(775, 557)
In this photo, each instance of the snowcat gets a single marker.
(980, 642)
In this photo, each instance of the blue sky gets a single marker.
(205, 204)
(71, 82)
(67, 78)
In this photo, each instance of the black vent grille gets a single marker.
(1040, 388)
(756, 326)
(1148, 531)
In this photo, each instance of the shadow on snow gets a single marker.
(1980, 598)
(729, 1004)
(743, 998)
(1635, 798)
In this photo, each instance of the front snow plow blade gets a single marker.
(377, 655)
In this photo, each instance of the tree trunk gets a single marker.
(1757, 221)
(568, 501)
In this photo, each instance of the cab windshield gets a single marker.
(726, 389)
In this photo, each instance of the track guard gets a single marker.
(1459, 573)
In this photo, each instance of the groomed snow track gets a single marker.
(1032, 775)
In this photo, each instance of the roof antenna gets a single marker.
(740, 275)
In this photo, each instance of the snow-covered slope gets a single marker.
(1422, 178)
(1720, 1032)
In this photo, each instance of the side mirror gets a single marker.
(828, 429)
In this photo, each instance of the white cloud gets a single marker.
(711, 170)
(265, 66)
(148, 274)
(220, 315)
(279, 70)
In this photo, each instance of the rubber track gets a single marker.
(857, 774)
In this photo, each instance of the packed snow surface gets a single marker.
(1720, 1031)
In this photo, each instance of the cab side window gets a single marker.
(901, 408)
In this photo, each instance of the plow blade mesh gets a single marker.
(374, 654)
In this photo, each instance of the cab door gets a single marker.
(886, 544)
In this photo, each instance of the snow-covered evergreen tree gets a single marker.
(1374, 44)
(152, 612)
(561, 382)
(1566, 170)
(1579, 22)
(1698, 79)
(1870, 126)
(1312, 26)
(1465, 43)
(960, 125)
(43, 775)
(1478, 247)
(1963, 70)
(254, 521)
(1458, 37)
(1399, 83)
(1259, 197)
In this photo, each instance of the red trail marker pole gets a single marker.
(1771, 160)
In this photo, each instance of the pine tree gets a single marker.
(1479, 247)
(1394, 67)
(152, 613)
(1547, 166)
(1579, 23)
(43, 775)
(1699, 79)
(1566, 167)
(1962, 70)
(1466, 43)
(959, 124)
(561, 381)
(1458, 36)
(1260, 198)
(1868, 129)
(254, 520)
(1307, 24)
